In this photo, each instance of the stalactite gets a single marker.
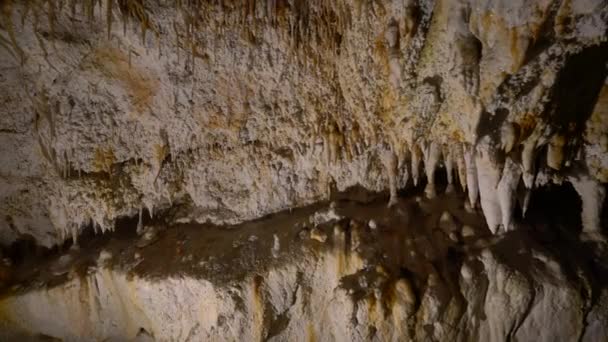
(458, 155)
(432, 157)
(488, 175)
(592, 195)
(109, 17)
(415, 168)
(509, 135)
(527, 159)
(389, 160)
(555, 153)
(507, 192)
(140, 225)
(524, 200)
(448, 161)
(472, 185)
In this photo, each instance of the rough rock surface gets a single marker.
(231, 110)
(403, 280)
(189, 119)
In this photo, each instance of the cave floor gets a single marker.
(415, 237)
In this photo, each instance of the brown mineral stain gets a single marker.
(161, 152)
(5, 316)
(258, 307)
(310, 332)
(372, 304)
(515, 52)
(563, 17)
(104, 159)
(457, 135)
(381, 52)
(114, 63)
(527, 124)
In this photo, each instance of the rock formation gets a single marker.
(420, 270)
(222, 112)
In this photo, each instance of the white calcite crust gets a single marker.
(266, 106)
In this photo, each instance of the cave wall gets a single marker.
(229, 110)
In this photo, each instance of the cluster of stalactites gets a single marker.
(313, 28)
(69, 220)
(32, 12)
(497, 175)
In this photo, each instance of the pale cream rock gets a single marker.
(432, 156)
(488, 174)
(372, 224)
(318, 235)
(276, 246)
(555, 153)
(592, 195)
(465, 272)
(507, 192)
(472, 182)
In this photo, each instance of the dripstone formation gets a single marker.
(220, 112)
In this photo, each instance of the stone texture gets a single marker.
(235, 110)
(358, 285)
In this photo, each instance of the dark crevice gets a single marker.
(577, 89)
(555, 206)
